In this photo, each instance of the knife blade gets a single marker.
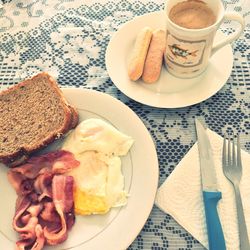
(211, 195)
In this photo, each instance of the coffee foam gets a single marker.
(192, 14)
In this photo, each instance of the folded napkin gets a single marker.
(181, 195)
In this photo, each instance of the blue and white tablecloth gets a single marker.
(50, 35)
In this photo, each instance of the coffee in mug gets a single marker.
(191, 27)
(192, 15)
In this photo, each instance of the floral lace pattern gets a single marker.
(68, 39)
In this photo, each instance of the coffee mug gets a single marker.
(190, 46)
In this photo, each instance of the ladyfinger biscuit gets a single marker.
(153, 62)
(139, 53)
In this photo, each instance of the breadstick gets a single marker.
(153, 62)
(139, 53)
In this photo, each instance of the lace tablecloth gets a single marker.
(46, 35)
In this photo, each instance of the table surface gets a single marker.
(45, 35)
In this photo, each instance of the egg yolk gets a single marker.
(86, 204)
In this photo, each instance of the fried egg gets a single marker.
(99, 179)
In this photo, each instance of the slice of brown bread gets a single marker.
(34, 113)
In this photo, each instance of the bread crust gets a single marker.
(70, 121)
(74, 117)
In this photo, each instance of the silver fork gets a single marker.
(232, 168)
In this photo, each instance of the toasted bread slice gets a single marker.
(34, 113)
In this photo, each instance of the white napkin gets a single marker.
(181, 195)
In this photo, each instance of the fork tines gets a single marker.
(232, 157)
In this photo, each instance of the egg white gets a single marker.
(98, 135)
(99, 179)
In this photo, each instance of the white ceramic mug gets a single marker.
(188, 50)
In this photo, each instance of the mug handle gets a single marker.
(234, 17)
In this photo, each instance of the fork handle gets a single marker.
(243, 235)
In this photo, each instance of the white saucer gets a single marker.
(168, 91)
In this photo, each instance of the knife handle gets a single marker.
(215, 234)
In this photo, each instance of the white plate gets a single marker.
(117, 229)
(168, 91)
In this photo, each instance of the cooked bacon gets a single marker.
(33, 197)
(62, 190)
(26, 187)
(64, 163)
(52, 226)
(25, 218)
(40, 239)
(41, 181)
(28, 231)
(22, 204)
(15, 180)
(54, 238)
(44, 207)
(49, 213)
(34, 210)
(42, 185)
(28, 170)
(23, 244)
(59, 161)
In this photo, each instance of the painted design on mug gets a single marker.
(185, 53)
(178, 51)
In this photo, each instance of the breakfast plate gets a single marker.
(168, 91)
(119, 227)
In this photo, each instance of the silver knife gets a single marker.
(211, 195)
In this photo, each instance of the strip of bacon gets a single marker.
(22, 204)
(62, 190)
(59, 161)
